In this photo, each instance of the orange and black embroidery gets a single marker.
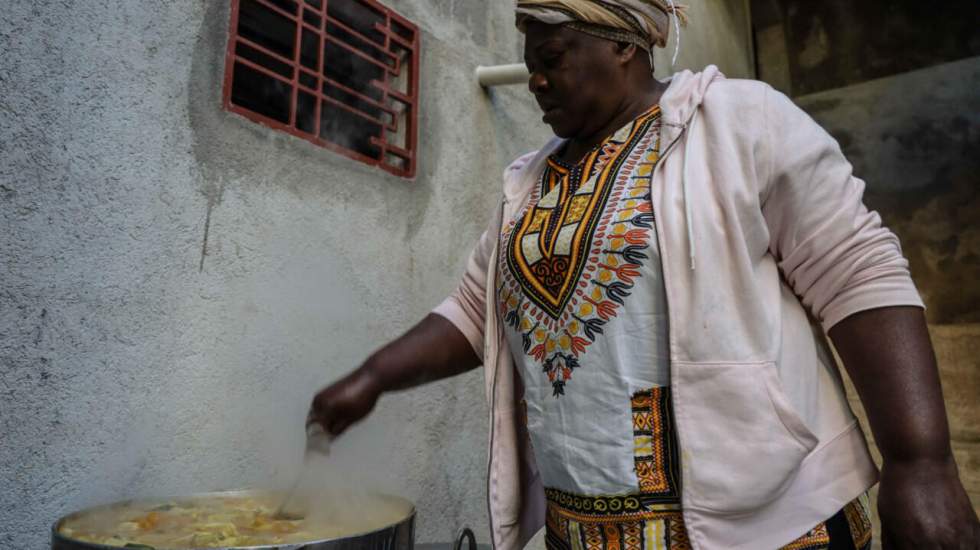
(571, 259)
(852, 521)
(817, 538)
(859, 522)
(655, 449)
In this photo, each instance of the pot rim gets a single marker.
(56, 535)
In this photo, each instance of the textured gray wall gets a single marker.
(720, 33)
(136, 361)
(835, 43)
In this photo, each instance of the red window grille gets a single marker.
(342, 74)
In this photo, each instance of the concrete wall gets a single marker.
(177, 281)
(720, 33)
(127, 368)
(836, 43)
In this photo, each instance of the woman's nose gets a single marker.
(537, 83)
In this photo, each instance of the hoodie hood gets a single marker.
(684, 95)
(680, 106)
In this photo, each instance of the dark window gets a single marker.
(340, 73)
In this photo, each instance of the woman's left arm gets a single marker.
(921, 501)
(849, 271)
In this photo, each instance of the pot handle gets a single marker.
(465, 533)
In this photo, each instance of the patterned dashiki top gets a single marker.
(582, 297)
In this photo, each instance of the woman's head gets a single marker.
(580, 81)
(587, 58)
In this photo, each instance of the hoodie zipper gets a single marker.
(683, 130)
(664, 259)
(491, 320)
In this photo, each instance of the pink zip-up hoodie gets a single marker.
(765, 245)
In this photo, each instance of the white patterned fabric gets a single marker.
(584, 304)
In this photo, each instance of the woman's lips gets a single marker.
(550, 113)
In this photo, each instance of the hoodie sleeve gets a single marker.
(833, 251)
(466, 306)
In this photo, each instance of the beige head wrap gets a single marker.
(645, 23)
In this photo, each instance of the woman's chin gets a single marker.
(562, 130)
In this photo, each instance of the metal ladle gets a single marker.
(317, 444)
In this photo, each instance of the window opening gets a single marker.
(340, 73)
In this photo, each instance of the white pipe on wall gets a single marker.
(502, 75)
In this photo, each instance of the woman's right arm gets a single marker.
(447, 342)
(431, 350)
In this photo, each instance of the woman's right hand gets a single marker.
(345, 402)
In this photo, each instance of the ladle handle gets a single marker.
(465, 533)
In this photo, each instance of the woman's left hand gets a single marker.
(923, 506)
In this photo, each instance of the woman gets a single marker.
(642, 302)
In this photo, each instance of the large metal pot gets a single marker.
(397, 536)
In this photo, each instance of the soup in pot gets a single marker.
(229, 520)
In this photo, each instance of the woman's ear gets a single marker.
(626, 51)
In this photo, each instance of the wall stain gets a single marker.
(214, 195)
(922, 140)
(39, 330)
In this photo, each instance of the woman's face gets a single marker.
(578, 80)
